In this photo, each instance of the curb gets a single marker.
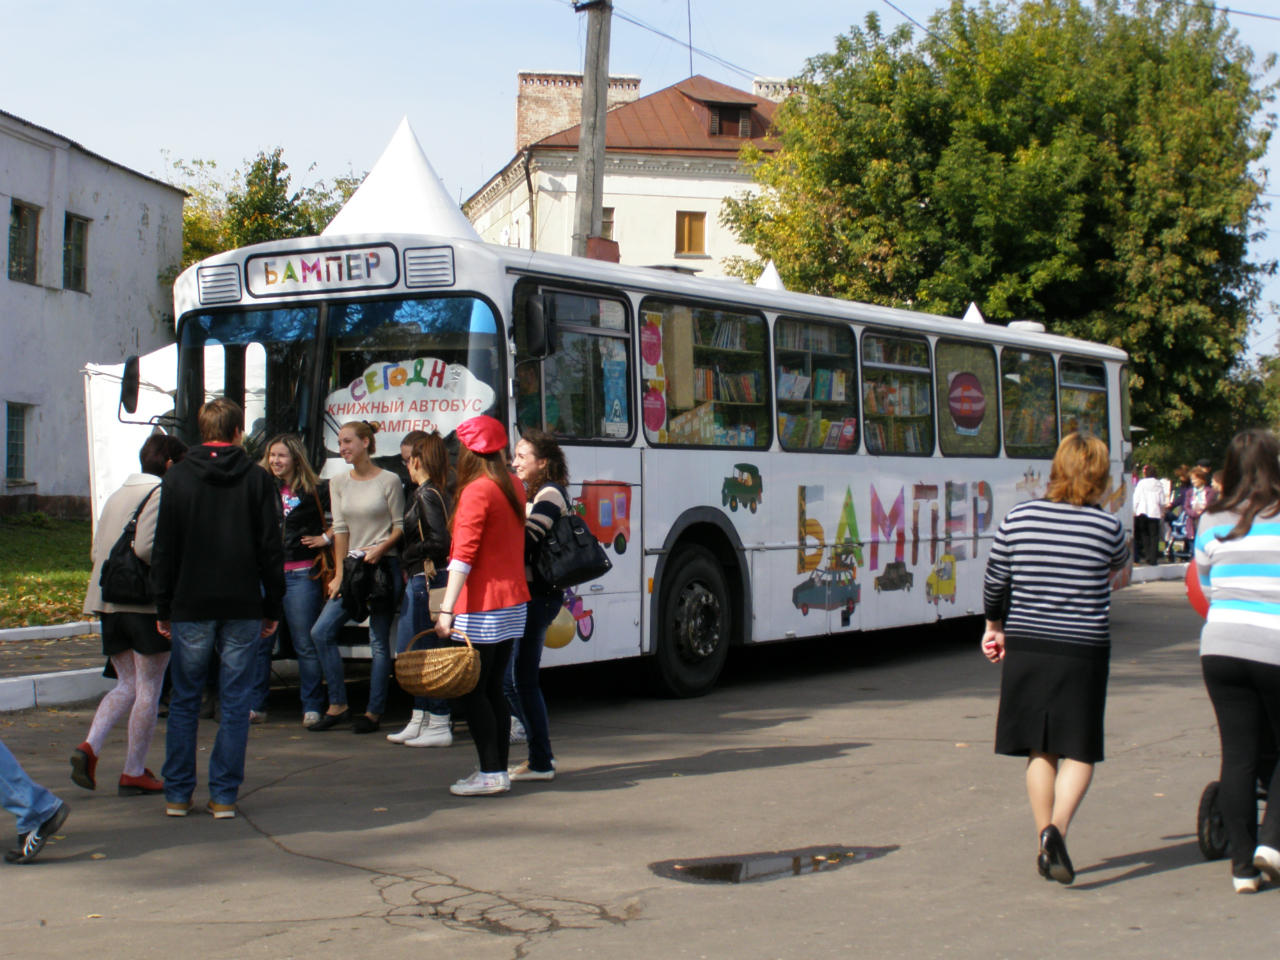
(45, 689)
(1164, 571)
(51, 631)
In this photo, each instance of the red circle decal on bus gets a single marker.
(966, 400)
(651, 343)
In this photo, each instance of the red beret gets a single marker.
(482, 434)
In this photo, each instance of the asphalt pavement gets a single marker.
(871, 752)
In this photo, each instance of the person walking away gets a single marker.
(304, 502)
(540, 466)
(1238, 561)
(40, 814)
(217, 574)
(1148, 512)
(425, 553)
(137, 651)
(368, 522)
(486, 595)
(1047, 599)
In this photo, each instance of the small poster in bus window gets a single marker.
(423, 393)
(614, 374)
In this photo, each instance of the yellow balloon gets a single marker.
(560, 633)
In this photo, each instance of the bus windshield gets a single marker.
(405, 364)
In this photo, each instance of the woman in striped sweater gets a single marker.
(1047, 598)
(1238, 561)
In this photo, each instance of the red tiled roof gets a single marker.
(676, 119)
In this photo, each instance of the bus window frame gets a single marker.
(855, 387)
(999, 388)
(1057, 401)
(930, 372)
(1105, 390)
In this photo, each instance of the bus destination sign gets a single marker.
(343, 268)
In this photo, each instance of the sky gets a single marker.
(143, 82)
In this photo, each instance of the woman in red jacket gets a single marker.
(487, 593)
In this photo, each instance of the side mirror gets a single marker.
(540, 327)
(129, 385)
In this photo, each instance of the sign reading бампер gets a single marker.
(342, 268)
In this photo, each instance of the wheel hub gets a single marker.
(699, 623)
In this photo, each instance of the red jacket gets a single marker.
(489, 536)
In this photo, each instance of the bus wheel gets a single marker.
(695, 626)
(620, 544)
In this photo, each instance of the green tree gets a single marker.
(1088, 166)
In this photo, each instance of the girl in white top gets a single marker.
(368, 518)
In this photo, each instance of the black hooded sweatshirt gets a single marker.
(218, 553)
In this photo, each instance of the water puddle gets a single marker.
(771, 865)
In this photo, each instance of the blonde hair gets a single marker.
(1081, 470)
(365, 431)
(302, 479)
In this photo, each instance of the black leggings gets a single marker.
(488, 715)
(1246, 698)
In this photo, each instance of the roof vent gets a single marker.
(973, 314)
(428, 267)
(220, 284)
(1026, 326)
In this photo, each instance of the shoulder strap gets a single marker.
(133, 521)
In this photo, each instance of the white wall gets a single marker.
(133, 250)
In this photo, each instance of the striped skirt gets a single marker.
(491, 626)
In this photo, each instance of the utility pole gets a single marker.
(595, 102)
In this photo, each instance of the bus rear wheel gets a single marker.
(695, 626)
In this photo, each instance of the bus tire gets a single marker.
(695, 625)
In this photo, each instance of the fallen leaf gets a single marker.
(379, 809)
(97, 856)
(961, 745)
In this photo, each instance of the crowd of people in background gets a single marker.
(1166, 510)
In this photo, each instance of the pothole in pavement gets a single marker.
(770, 865)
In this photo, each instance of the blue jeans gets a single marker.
(31, 803)
(302, 602)
(521, 681)
(415, 617)
(325, 636)
(236, 643)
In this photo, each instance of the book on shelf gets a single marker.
(832, 442)
(822, 384)
(839, 384)
(848, 433)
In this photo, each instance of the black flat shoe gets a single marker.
(365, 724)
(328, 721)
(1042, 864)
(1055, 849)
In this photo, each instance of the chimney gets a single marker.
(550, 102)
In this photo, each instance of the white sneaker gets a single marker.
(481, 784)
(1247, 884)
(412, 728)
(518, 734)
(525, 772)
(434, 733)
(1267, 859)
(310, 718)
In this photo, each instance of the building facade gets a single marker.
(671, 158)
(91, 252)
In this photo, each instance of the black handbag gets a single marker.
(570, 554)
(124, 575)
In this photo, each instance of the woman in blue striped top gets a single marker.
(1047, 598)
(1238, 560)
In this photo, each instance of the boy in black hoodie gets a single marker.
(217, 574)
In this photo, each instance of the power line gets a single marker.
(1238, 13)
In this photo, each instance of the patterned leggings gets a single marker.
(137, 694)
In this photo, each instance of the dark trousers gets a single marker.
(1246, 698)
(1146, 536)
(488, 716)
(524, 694)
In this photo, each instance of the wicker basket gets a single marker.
(442, 672)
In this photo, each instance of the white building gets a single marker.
(670, 160)
(91, 252)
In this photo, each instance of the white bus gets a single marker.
(761, 465)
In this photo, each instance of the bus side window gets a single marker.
(1083, 390)
(1029, 403)
(968, 425)
(897, 401)
(816, 385)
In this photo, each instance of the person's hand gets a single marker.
(374, 554)
(335, 587)
(442, 631)
(269, 627)
(163, 628)
(315, 542)
(993, 644)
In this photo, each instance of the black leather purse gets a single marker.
(124, 576)
(570, 554)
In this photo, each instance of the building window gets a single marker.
(691, 230)
(606, 223)
(24, 222)
(75, 248)
(15, 453)
(730, 122)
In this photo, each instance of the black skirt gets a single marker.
(122, 632)
(1053, 697)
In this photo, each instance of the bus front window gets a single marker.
(408, 365)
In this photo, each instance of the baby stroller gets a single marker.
(1179, 545)
(1211, 834)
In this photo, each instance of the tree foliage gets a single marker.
(257, 205)
(1085, 165)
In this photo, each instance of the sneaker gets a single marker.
(145, 782)
(435, 732)
(481, 784)
(1247, 884)
(177, 808)
(526, 772)
(30, 844)
(518, 734)
(221, 811)
(1267, 859)
(310, 718)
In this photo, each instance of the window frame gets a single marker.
(21, 413)
(71, 224)
(683, 219)
(1105, 390)
(853, 391)
(1057, 405)
(938, 389)
(17, 259)
(909, 336)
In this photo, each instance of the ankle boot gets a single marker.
(435, 733)
(412, 728)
